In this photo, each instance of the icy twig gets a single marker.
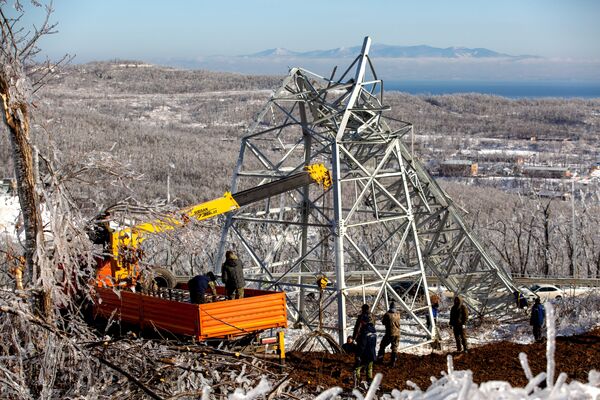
(466, 385)
(329, 393)
(263, 387)
(550, 344)
(562, 378)
(373, 388)
(357, 394)
(412, 385)
(594, 378)
(525, 366)
(535, 382)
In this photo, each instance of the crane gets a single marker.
(121, 266)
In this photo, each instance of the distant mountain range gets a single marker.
(387, 51)
(404, 63)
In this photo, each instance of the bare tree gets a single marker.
(18, 47)
(544, 247)
(515, 237)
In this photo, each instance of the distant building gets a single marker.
(458, 168)
(518, 157)
(541, 171)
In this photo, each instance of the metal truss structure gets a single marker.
(383, 227)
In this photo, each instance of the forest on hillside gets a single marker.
(161, 124)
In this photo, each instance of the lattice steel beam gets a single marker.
(384, 213)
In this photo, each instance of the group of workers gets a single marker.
(232, 275)
(363, 341)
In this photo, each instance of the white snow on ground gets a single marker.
(575, 315)
(10, 211)
(9, 214)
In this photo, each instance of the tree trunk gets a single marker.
(17, 120)
(546, 247)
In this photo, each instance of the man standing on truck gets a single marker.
(198, 286)
(232, 276)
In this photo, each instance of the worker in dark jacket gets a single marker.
(349, 347)
(458, 318)
(391, 321)
(538, 317)
(232, 276)
(100, 231)
(366, 352)
(362, 321)
(198, 286)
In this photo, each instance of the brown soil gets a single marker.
(575, 355)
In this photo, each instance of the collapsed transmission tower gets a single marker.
(383, 227)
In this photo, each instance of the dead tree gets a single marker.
(18, 47)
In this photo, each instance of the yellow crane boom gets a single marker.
(124, 243)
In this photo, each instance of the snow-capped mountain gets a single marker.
(388, 51)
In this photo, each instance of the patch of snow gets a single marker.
(134, 65)
(231, 124)
(524, 153)
(10, 209)
(198, 125)
(10, 224)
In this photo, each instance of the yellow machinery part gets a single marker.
(125, 243)
(281, 345)
(322, 281)
(320, 174)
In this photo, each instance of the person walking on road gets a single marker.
(538, 317)
(458, 318)
(232, 276)
(391, 321)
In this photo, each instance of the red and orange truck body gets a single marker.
(257, 311)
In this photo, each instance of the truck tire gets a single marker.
(164, 278)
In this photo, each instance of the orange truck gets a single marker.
(228, 319)
(168, 309)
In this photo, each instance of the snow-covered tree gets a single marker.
(18, 47)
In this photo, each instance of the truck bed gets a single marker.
(257, 311)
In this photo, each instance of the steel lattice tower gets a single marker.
(384, 221)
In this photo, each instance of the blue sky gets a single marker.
(159, 29)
